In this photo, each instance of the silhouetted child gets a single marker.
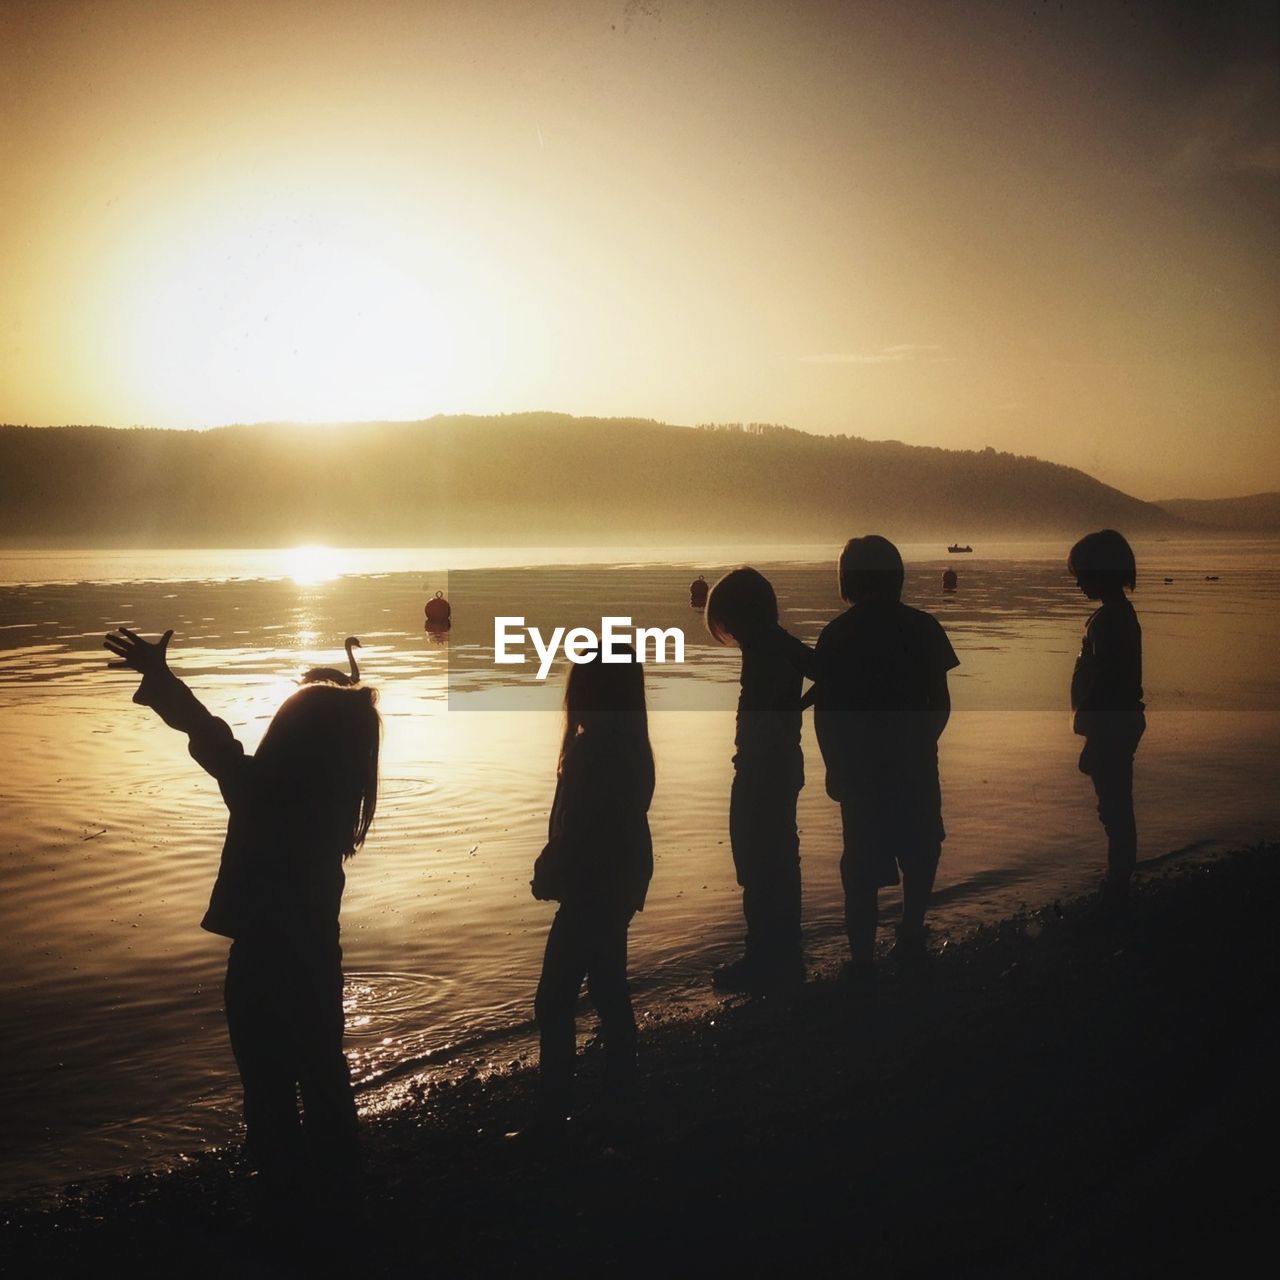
(768, 766)
(597, 864)
(881, 704)
(298, 808)
(1106, 695)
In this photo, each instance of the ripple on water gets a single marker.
(393, 1017)
(397, 788)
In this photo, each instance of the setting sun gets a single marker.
(311, 564)
(286, 311)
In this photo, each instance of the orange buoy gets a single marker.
(698, 590)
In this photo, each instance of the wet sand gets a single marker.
(1056, 1094)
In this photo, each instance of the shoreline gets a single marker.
(957, 911)
(1051, 1093)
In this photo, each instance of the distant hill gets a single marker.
(1258, 513)
(526, 479)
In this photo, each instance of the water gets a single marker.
(116, 1049)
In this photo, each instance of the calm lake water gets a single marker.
(115, 1047)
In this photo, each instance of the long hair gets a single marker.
(1104, 559)
(606, 701)
(870, 568)
(741, 606)
(319, 757)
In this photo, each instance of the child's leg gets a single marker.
(1113, 785)
(330, 1123)
(766, 854)
(564, 966)
(860, 880)
(745, 845)
(611, 995)
(918, 875)
(861, 915)
(782, 914)
(260, 1043)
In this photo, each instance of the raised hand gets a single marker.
(145, 656)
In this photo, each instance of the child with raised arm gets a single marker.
(597, 864)
(768, 774)
(881, 704)
(297, 809)
(1106, 695)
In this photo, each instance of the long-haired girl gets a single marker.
(597, 865)
(298, 809)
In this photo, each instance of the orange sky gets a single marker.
(1044, 228)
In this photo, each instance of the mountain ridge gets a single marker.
(527, 478)
(1252, 513)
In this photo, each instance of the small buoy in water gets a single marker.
(950, 579)
(439, 613)
(1168, 579)
(698, 590)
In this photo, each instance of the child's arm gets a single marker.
(160, 689)
(830, 724)
(831, 731)
(1083, 680)
(1117, 650)
(1087, 679)
(939, 704)
(212, 744)
(801, 656)
(598, 798)
(941, 659)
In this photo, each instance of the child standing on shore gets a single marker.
(1106, 695)
(768, 774)
(298, 808)
(881, 705)
(597, 864)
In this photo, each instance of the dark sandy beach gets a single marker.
(1056, 1095)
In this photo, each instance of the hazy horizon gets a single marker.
(1043, 229)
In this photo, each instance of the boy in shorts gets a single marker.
(881, 703)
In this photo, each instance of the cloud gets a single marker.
(894, 354)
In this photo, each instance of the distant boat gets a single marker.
(956, 549)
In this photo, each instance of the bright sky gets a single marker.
(1049, 228)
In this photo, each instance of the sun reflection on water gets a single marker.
(312, 563)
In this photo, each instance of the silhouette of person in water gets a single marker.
(768, 766)
(298, 808)
(1106, 695)
(597, 864)
(880, 706)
